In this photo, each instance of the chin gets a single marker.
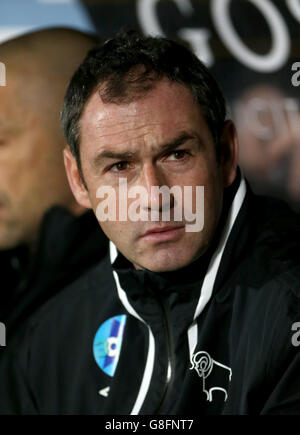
(166, 264)
(167, 268)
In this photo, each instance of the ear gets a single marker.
(79, 190)
(229, 152)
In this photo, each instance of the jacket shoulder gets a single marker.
(276, 236)
(89, 289)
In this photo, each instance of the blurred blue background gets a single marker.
(19, 16)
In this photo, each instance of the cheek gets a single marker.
(20, 182)
(29, 166)
(119, 233)
(213, 195)
(210, 182)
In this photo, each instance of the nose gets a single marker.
(153, 179)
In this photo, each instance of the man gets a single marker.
(40, 251)
(175, 320)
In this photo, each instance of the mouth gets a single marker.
(163, 233)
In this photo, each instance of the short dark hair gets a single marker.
(126, 67)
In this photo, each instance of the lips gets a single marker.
(162, 229)
(163, 233)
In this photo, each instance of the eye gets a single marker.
(120, 166)
(178, 155)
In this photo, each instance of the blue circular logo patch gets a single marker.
(108, 342)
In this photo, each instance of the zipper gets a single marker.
(171, 354)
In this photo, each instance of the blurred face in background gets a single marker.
(32, 176)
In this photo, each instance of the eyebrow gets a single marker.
(106, 154)
(127, 155)
(175, 143)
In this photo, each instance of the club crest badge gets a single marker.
(108, 342)
(211, 371)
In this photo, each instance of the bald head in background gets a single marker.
(39, 66)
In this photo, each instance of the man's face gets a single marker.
(160, 139)
(32, 176)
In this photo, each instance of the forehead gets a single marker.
(13, 112)
(168, 107)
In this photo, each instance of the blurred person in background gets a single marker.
(46, 238)
(268, 121)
